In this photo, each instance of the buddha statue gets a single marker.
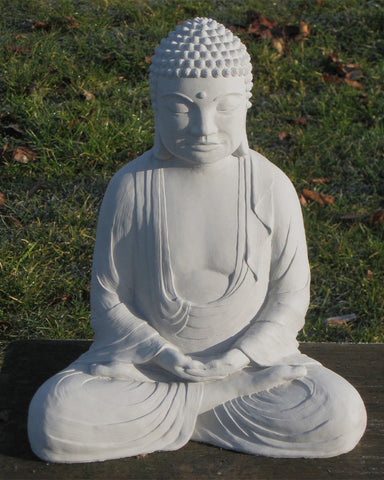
(200, 284)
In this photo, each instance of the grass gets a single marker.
(47, 224)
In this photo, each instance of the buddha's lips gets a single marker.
(204, 146)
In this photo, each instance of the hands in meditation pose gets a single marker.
(200, 285)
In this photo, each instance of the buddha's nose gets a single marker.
(203, 123)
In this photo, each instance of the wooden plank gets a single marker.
(28, 363)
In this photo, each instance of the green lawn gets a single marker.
(74, 90)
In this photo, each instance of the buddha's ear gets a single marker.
(159, 150)
(242, 149)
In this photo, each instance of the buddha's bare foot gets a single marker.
(254, 382)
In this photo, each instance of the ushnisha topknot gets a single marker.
(200, 48)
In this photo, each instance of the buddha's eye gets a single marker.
(175, 105)
(229, 103)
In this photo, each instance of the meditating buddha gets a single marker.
(200, 285)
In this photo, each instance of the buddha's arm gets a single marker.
(120, 333)
(272, 335)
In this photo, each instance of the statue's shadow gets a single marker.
(26, 365)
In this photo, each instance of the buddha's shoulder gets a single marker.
(126, 175)
(269, 176)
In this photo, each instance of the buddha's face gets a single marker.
(201, 120)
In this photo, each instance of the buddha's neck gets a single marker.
(198, 169)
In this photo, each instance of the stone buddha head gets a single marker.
(200, 80)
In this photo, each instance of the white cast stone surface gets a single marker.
(200, 285)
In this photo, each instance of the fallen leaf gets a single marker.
(284, 136)
(303, 201)
(16, 50)
(72, 123)
(320, 198)
(41, 25)
(298, 121)
(259, 27)
(327, 78)
(340, 320)
(109, 58)
(88, 95)
(2, 199)
(377, 217)
(345, 73)
(353, 83)
(71, 21)
(23, 154)
(278, 44)
(5, 149)
(305, 30)
(61, 299)
(322, 180)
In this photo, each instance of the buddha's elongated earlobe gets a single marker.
(243, 148)
(161, 153)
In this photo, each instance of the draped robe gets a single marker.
(82, 415)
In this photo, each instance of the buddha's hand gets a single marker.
(226, 364)
(176, 362)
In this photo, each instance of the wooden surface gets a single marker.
(26, 364)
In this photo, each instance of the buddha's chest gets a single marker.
(202, 220)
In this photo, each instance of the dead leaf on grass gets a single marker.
(23, 154)
(41, 25)
(71, 21)
(320, 198)
(278, 44)
(259, 27)
(340, 320)
(327, 78)
(284, 136)
(340, 72)
(88, 95)
(303, 201)
(16, 50)
(6, 147)
(298, 121)
(62, 299)
(353, 83)
(305, 30)
(322, 180)
(377, 217)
